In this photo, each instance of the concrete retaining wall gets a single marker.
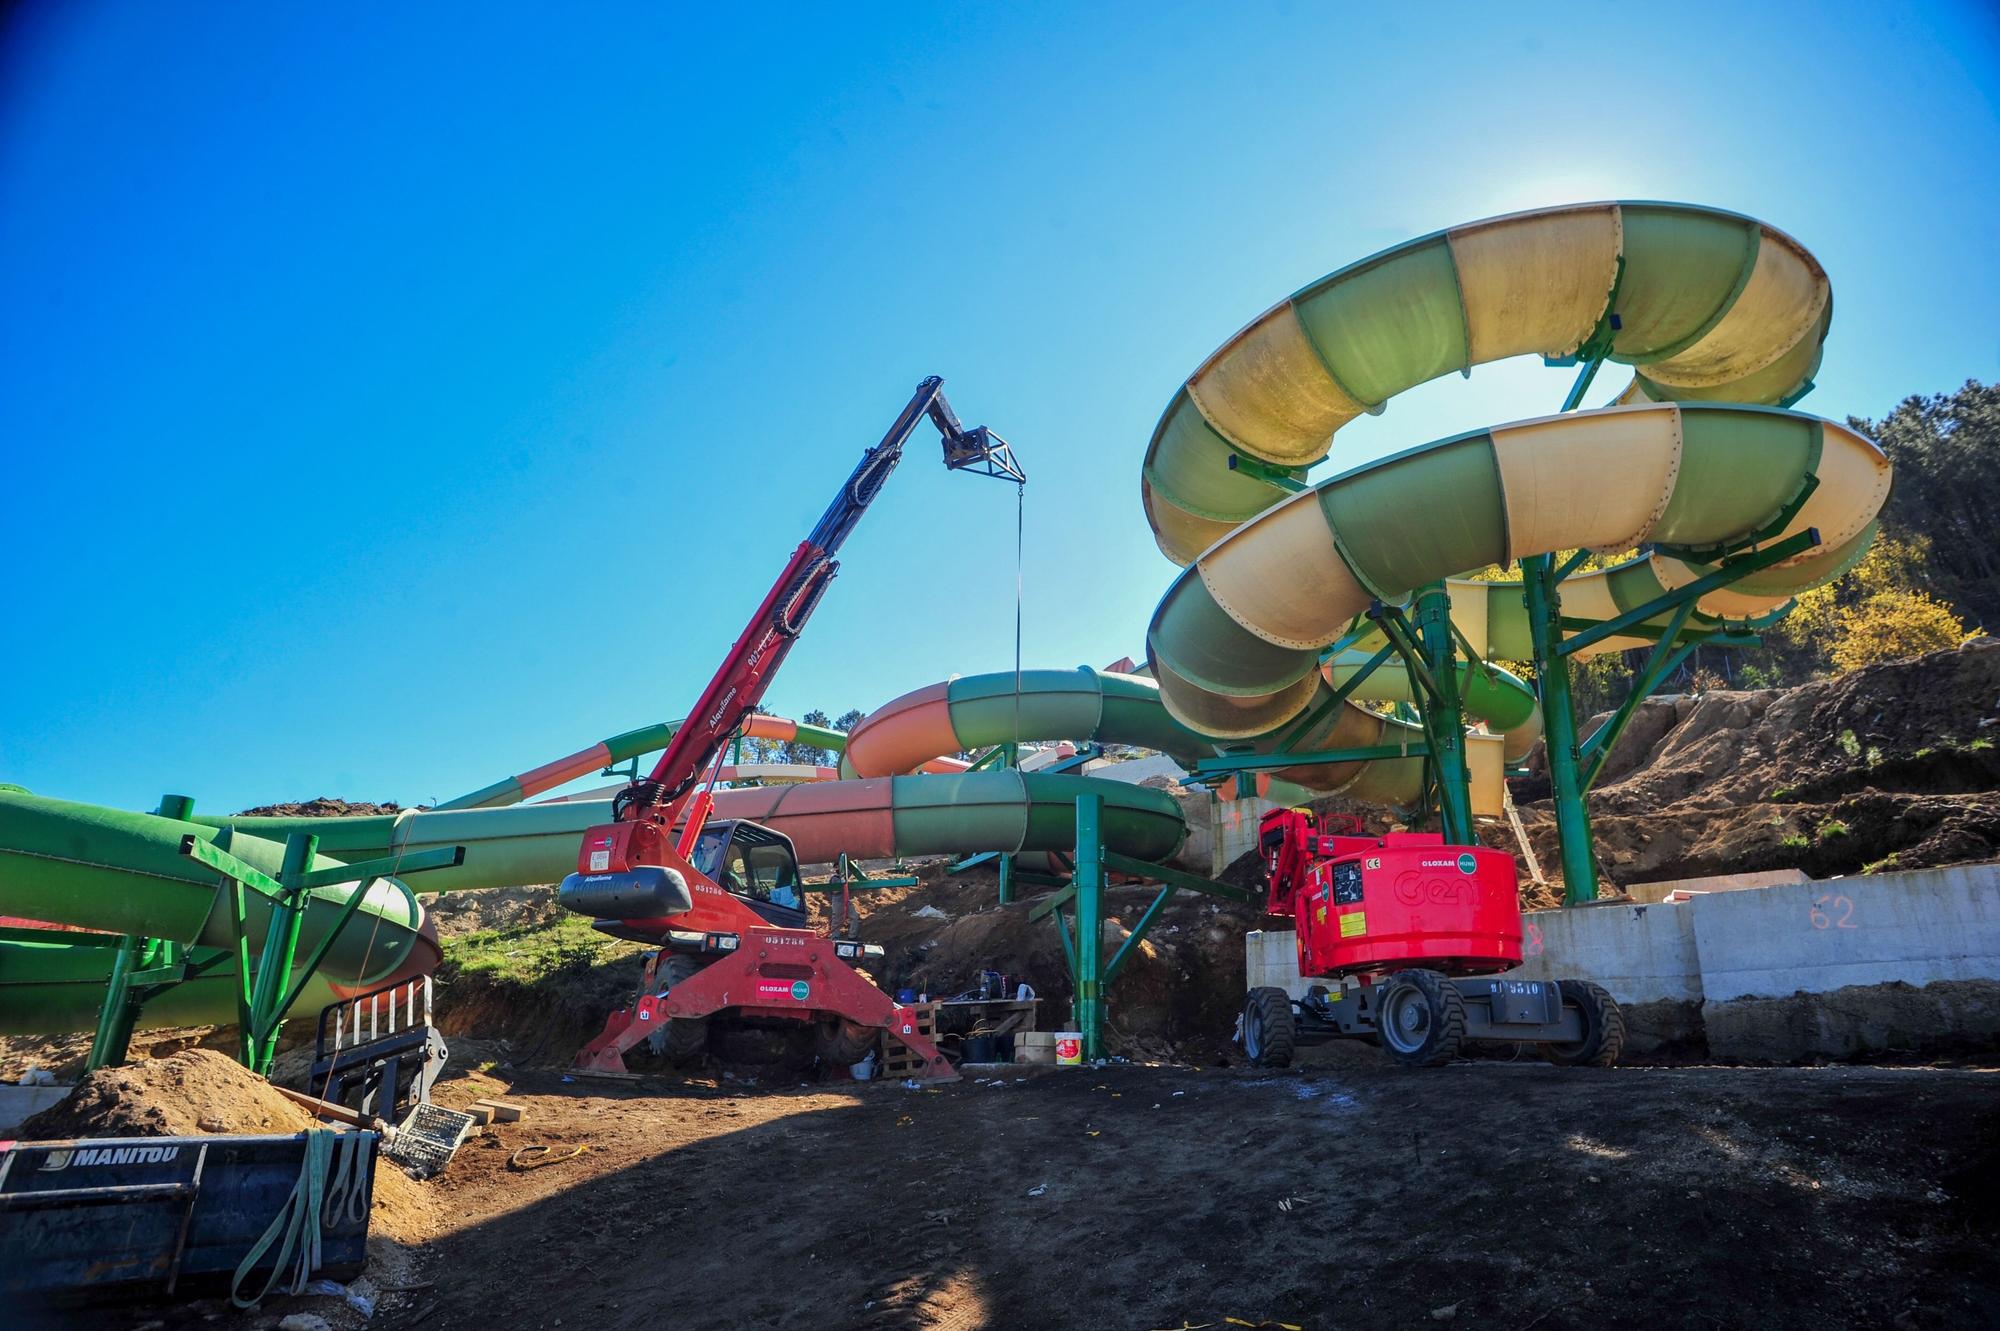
(1905, 962)
(1934, 924)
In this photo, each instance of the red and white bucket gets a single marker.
(1069, 1049)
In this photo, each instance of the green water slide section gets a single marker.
(121, 873)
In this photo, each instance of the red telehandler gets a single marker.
(1413, 934)
(722, 900)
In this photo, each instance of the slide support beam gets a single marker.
(1090, 924)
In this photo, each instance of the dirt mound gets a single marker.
(323, 807)
(183, 1094)
(459, 913)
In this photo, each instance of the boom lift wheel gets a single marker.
(1269, 1034)
(1603, 1028)
(678, 1039)
(1420, 1018)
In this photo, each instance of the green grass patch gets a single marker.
(1886, 862)
(530, 953)
(1782, 795)
(1849, 745)
(1831, 828)
(1794, 841)
(1980, 745)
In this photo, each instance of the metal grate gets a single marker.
(427, 1139)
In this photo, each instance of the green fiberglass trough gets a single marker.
(122, 873)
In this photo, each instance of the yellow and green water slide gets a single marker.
(1735, 503)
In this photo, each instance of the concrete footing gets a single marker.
(18, 1104)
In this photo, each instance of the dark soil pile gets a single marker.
(1896, 766)
(323, 807)
(459, 913)
(184, 1094)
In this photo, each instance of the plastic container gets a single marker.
(1035, 1047)
(1069, 1049)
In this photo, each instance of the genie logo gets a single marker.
(1414, 891)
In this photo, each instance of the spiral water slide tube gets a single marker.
(1722, 318)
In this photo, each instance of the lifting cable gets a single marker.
(1020, 510)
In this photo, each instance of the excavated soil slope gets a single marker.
(1896, 766)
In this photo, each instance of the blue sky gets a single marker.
(394, 399)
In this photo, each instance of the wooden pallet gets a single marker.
(897, 1058)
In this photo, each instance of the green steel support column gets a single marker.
(1138, 934)
(1444, 714)
(1539, 578)
(1579, 856)
(1090, 923)
(281, 945)
(114, 1023)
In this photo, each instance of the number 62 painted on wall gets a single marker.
(1822, 919)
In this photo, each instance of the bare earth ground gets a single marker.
(1479, 1195)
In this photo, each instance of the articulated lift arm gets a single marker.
(733, 694)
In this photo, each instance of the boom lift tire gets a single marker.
(1269, 1033)
(678, 1039)
(1420, 1018)
(1603, 1028)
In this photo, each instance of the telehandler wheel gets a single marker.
(838, 1042)
(1603, 1028)
(1420, 1018)
(678, 1039)
(1269, 1034)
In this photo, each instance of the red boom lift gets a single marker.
(722, 900)
(1413, 933)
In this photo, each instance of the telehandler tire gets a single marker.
(678, 1039)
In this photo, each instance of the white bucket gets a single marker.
(1069, 1049)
